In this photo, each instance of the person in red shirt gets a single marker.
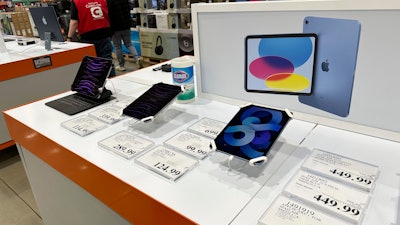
(90, 19)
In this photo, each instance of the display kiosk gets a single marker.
(101, 178)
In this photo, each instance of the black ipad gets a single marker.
(252, 132)
(152, 101)
(89, 85)
(92, 75)
(280, 63)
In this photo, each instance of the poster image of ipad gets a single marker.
(252, 132)
(338, 41)
(152, 101)
(280, 63)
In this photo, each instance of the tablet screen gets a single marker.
(252, 132)
(92, 75)
(281, 63)
(152, 101)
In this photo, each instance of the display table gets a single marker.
(75, 181)
(21, 81)
(384, 204)
(72, 175)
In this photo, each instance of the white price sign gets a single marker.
(190, 143)
(108, 114)
(335, 197)
(287, 211)
(208, 127)
(166, 162)
(356, 173)
(124, 102)
(83, 125)
(125, 144)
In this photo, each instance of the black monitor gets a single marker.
(45, 19)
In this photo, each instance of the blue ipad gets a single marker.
(338, 41)
(252, 132)
(280, 63)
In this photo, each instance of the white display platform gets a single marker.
(224, 192)
(384, 204)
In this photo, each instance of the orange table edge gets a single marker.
(26, 66)
(129, 202)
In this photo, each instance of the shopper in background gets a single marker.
(90, 18)
(120, 21)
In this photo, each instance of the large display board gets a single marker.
(356, 77)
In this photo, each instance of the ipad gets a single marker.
(92, 75)
(252, 132)
(280, 63)
(152, 101)
(89, 85)
(338, 41)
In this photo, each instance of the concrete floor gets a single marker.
(17, 203)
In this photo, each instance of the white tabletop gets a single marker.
(385, 197)
(17, 52)
(211, 193)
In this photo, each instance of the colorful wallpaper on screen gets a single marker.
(283, 63)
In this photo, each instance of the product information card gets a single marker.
(83, 125)
(287, 211)
(125, 144)
(353, 172)
(108, 114)
(340, 199)
(166, 162)
(208, 127)
(190, 143)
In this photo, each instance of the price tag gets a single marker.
(190, 143)
(124, 102)
(338, 198)
(208, 127)
(125, 144)
(353, 172)
(83, 125)
(166, 162)
(108, 114)
(287, 211)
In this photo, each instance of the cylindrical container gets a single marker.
(3, 47)
(182, 74)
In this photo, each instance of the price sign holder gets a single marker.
(353, 172)
(125, 144)
(190, 143)
(166, 162)
(207, 127)
(337, 198)
(108, 114)
(125, 101)
(83, 125)
(288, 211)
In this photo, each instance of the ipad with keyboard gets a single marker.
(89, 87)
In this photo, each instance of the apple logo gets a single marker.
(44, 20)
(325, 66)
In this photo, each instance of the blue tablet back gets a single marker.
(335, 64)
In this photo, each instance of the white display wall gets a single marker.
(219, 38)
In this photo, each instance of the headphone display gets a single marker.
(159, 49)
(173, 23)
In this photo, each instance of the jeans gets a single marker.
(125, 37)
(103, 49)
